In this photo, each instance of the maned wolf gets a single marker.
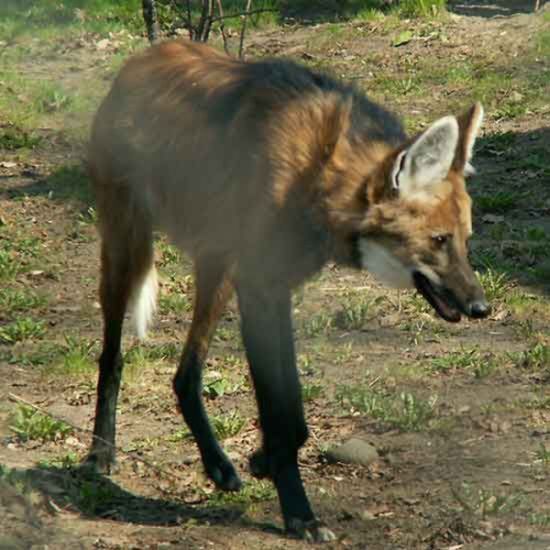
(262, 172)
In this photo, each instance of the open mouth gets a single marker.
(442, 301)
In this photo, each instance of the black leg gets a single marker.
(268, 339)
(102, 453)
(212, 294)
(116, 281)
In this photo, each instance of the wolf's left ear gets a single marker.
(469, 124)
(419, 170)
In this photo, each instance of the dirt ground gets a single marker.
(468, 467)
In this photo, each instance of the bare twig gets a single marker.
(222, 27)
(243, 28)
(208, 22)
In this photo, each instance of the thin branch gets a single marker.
(189, 22)
(243, 28)
(208, 22)
(222, 27)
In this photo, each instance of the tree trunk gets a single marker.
(150, 18)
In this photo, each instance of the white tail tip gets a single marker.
(145, 303)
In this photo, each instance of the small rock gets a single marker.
(353, 451)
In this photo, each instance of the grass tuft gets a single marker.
(29, 424)
(405, 411)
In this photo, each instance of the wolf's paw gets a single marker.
(222, 472)
(312, 531)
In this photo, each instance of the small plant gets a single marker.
(218, 385)
(421, 8)
(174, 303)
(355, 312)
(405, 412)
(9, 267)
(540, 519)
(253, 492)
(542, 454)
(498, 203)
(77, 356)
(481, 365)
(227, 425)
(496, 285)
(536, 358)
(485, 502)
(537, 234)
(67, 460)
(311, 391)
(455, 360)
(51, 99)
(14, 138)
(19, 300)
(320, 323)
(22, 329)
(164, 352)
(180, 435)
(30, 424)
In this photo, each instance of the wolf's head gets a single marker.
(418, 223)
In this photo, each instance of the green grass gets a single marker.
(24, 17)
(498, 203)
(18, 253)
(15, 300)
(495, 284)
(227, 425)
(486, 502)
(317, 324)
(403, 411)
(534, 359)
(220, 385)
(30, 424)
(9, 266)
(472, 360)
(421, 8)
(66, 460)
(22, 329)
(13, 138)
(253, 492)
(310, 392)
(542, 454)
(175, 303)
(356, 312)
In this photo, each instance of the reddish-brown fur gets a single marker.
(261, 172)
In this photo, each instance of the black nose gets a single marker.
(479, 309)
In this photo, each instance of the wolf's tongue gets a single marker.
(442, 307)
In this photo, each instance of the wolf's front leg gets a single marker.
(267, 336)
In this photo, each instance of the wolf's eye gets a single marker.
(440, 240)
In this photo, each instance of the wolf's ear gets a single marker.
(336, 122)
(420, 168)
(469, 124)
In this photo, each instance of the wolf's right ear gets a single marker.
(469, 124)
(419, 169)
